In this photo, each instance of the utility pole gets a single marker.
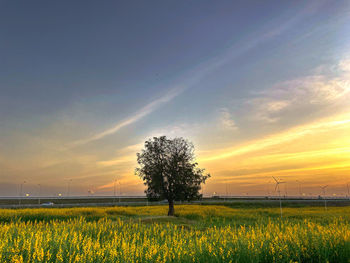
(120, 190)
(68, 187)
(115, 190)
(324, 196)
(21, 192)
(285, 191)
(299, 184)
(39, 195)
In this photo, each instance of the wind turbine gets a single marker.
(324, 196)
(277, 187)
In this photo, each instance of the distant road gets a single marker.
(91, 201)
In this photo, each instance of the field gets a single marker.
(198, 233)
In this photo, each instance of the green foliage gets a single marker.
(169, 171)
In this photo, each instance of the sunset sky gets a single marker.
(262, 89)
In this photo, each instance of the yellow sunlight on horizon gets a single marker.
(319, 149)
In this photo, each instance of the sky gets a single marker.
(262, 89)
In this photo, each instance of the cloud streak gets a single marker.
(143, 112)
(276, 139)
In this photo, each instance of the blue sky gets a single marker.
(84, 83)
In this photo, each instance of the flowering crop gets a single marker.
(199, 234)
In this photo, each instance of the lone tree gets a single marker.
(168, 168)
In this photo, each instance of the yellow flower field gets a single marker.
(198, 234)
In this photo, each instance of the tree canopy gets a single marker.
(169, 170)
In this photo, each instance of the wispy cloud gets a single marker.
(118, 161)
(148, 109)
(307, 94)
(276, 139)
(226, 120)
(344, 65)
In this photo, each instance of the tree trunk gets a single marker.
(171, 208)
